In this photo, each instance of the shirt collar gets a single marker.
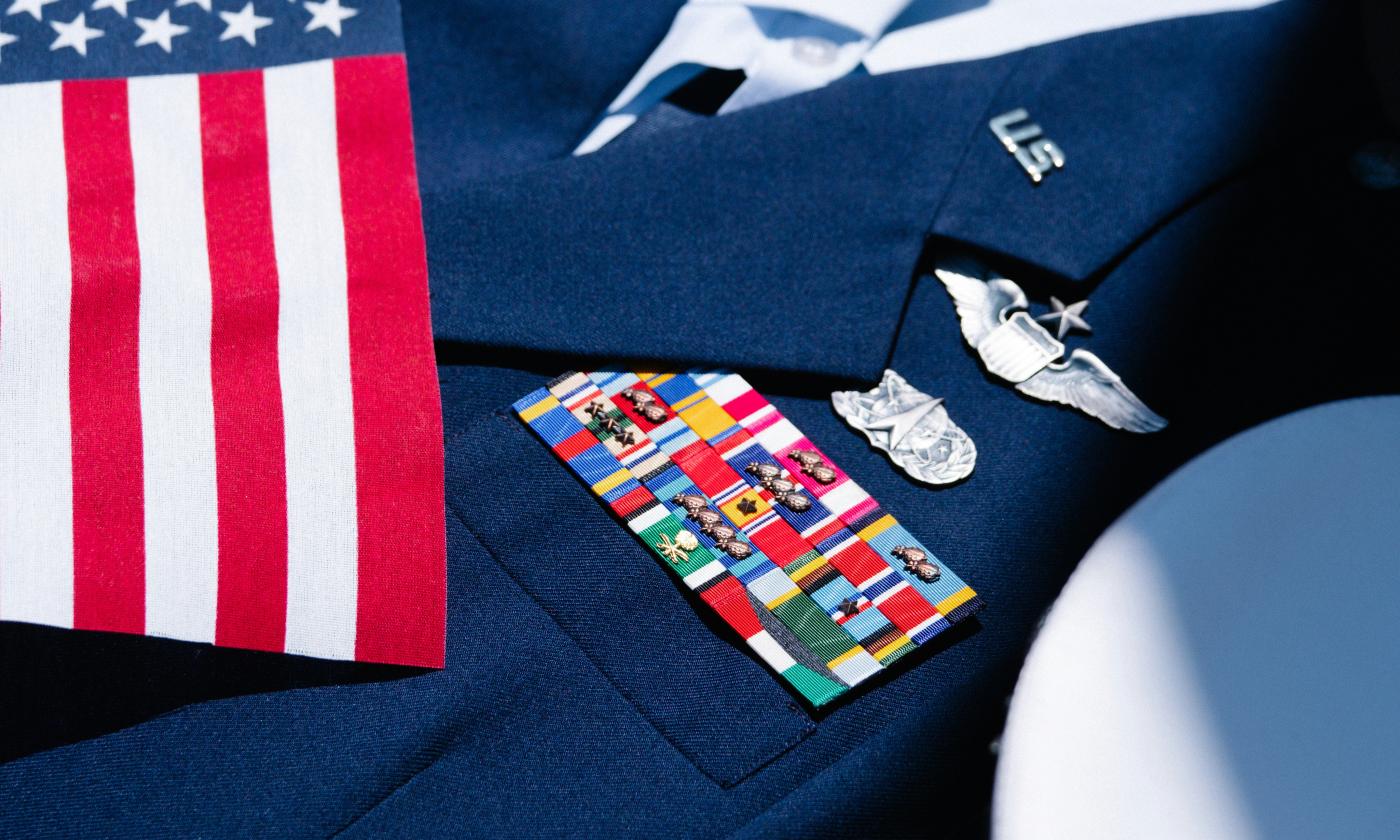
(785, 47)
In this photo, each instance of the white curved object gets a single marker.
(1225, 662)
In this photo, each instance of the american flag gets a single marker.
(219, 415)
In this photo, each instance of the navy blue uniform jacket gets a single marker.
(1205, 208)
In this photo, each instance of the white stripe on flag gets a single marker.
(313, 354)
(36, 460)
(177, 402)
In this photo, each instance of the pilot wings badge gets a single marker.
(911, 427)
(1013, 346)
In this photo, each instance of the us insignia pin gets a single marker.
(912, 428)
(1013, 346)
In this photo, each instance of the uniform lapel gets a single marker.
(785, 237)
(782, 237)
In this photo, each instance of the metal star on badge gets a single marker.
(911, 427)
(1013, 346)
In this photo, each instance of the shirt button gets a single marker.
(812, 50)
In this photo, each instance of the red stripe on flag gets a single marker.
(398, 418)
(249, 447)
(109, 538)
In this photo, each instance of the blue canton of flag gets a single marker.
(87, 39)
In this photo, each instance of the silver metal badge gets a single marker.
(911, 427)
(1013, 346)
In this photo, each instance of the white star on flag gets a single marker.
(328, 15)
(244, 24)
(75, 33)
(5, 39)
(206, 5)
(34, 7)
(159, 31)
(118, 6)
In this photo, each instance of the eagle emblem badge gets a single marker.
(911, 427)
(996, 323)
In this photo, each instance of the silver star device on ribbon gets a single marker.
(996, 323)
(911, 427)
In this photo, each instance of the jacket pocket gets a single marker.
(683, 669)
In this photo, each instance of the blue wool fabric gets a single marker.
(1205, 209)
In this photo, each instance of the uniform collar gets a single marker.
(785, 236)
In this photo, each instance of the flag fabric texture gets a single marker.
(219, 415)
